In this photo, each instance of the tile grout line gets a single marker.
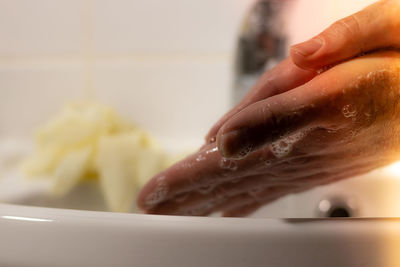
(118, 56)
(71, 60)
(88, 71)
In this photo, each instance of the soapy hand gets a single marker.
(373, 28)
(289, 135)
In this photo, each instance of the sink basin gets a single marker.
(32, 236)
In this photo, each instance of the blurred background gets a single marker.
(165, 64)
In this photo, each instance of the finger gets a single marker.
(262, 189)
(257, 171)
(374, 27)
(230, 195)
(332, 100)
(266, 121)
(195, 202)
(197, 170)
(285, 76)
(200, 172)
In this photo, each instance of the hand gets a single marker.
(375, 27)
(284, 77)
(342, 123)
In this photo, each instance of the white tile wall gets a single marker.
(29, 93)
(63, 27)
(40, 28)
(174, 26)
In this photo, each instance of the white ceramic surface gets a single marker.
(50, 237)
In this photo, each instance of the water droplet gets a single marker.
(349, 111)
(245, 151)
(280, 149)
(185, 164)
(200, 158)
(227, 164)
(212, 150)
(158, 194)
(213, 139)
(283, 147)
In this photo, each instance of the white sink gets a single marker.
(54, 237)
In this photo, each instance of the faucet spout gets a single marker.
(262, 44)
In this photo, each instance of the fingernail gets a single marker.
(235, 144)
(226, 141)
(309, 47)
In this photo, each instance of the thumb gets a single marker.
(377, 26)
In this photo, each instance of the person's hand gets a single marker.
(342, 123)
(284, 77)
(375, 27)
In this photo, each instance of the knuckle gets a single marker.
(348, 28)
(270, 85)
(341, 28)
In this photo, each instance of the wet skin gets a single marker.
(328, 127)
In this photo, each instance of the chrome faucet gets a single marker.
(262, 44)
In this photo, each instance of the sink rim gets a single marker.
(44, 214)
(59, 237)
